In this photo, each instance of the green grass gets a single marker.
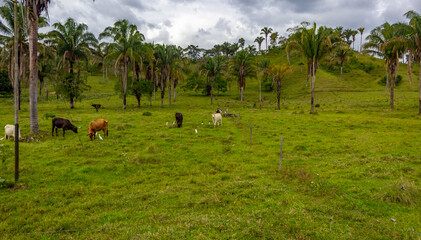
(342, 171)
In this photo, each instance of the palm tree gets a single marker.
(242, 65)
(213, 67)
(259, 41)
(278, 73)
(264, 69)
(73, 42)
(361, 30)
(342, 52)
(388, 41)
(7, 28)
(124, 49)
(266, 31)
(314, 44)
(34, 9)
(377, 38)
(415, 23)
(347, 34)
(166, 56)
(353, 34)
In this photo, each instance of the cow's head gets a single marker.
(91, 135)
(74, 129)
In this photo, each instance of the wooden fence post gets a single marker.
(251, 133)
(280, 155)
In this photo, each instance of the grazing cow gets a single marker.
(9, 131)
(96, 106)
(96, 126)
(218, 110)
(62, 123)
(217, 117)
(179, 119)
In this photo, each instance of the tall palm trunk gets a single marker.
(260, 93)
(71, 97)
(33, 74)
(241, 89)
(419, 79)
(361, 42)
(175, 93)
(16, 92)
(410, 66)
(125, 82)
(169, 88)
(387, 73)
(133, 72)
(313, 81)
(308, 73)
(211, 92)
(266, 38)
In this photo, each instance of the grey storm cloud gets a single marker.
(205, 23)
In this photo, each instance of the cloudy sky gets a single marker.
(206, 23)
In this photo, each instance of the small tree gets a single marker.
(142, 88)
(72, 86)
(278, 73)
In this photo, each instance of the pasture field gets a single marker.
(351, 171)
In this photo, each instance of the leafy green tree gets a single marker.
(124, 49)
(274, 39)
(314, 44)
(241, 43)
(242, 65)
(142, 88)
(73, 42)
(211, 68)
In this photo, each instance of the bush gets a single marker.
(398, 80)
(5, 85)
(147, 114)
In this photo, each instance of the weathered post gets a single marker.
(16, 92)
(251, 133)
(280, 155)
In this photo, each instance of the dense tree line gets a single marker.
(66, 55)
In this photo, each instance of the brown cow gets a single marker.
(96, 126)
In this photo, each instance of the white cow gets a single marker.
(9, 131)
(216, 118)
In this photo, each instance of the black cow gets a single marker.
(62, 123)
(179, 119)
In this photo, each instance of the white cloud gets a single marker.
(206, 23)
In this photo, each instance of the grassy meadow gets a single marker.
(350, 171)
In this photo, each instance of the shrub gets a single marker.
(147, 114)
(398, 80)
(5, 84)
